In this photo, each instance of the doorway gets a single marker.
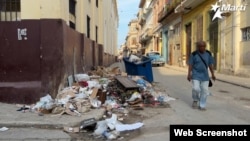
(213, 37)
(188, 41)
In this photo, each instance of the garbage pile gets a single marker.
(99, 88)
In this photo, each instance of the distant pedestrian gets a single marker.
(199, 62)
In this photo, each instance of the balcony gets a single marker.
(147, 35)
(141, 20)
(186, 5)
(168, 9)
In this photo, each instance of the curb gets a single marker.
(58, 126)
(232, 83)
(218, 79)
(40, 126)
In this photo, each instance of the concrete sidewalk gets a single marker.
(32, 127)
(11, 118)
(235, 80)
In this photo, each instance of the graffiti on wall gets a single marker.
(22, 34)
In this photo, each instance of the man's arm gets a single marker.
(211, 68)
(189, 77)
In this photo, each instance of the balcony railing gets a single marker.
(168, 9)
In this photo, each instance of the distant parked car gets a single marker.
(156, 57)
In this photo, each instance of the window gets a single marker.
(96, 3)
(133, 41)
(246, 34)
(72, 7)
(177, 29)
(72, 25)
(96, 34)
(9, 10)
(88, 26)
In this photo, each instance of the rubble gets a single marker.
(99, 88)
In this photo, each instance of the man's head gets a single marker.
(201, 46)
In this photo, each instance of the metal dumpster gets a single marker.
(142, 68)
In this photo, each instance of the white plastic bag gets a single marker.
(45, 102)
(134, 96)
(82, 77)
(101, 127)
(95, 103)
(93, 84)
(134, 58)
(111, 122)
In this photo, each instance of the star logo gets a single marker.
(217, 15)
(216, 9)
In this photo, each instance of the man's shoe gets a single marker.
(195, 105)
(202, 108)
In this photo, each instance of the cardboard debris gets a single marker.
(76, 84)
(65, 93)
(45, 111)
(138, 100)
(116, 70)
(82, 108)
(71, 109)
(124, 74)
(71, 129)
(101, 96)
(94, 93)
(58, 110)
(137, 106)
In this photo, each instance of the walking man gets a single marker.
(199, 62)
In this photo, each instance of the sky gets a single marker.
(127, 10)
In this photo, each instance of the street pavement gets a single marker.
(235, 80)
(228, 104)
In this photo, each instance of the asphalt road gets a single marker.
(229, 104)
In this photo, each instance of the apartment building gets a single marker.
(42, 42)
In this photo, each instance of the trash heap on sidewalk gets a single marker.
(100, 88)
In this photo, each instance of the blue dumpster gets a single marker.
(143, 68)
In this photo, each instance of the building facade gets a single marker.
(146, 22)
(43, 43)
(234, 57)
(197, 25)
(132, 37)
(171, 32)
(157, 30)
(97, 19)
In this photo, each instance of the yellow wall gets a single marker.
(105, 17)
(39, 9)
(245, 45)
(234, 52)
(191, 17)
(30, 5)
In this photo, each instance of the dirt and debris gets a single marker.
(100, 88)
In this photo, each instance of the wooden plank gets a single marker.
(126, 83)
